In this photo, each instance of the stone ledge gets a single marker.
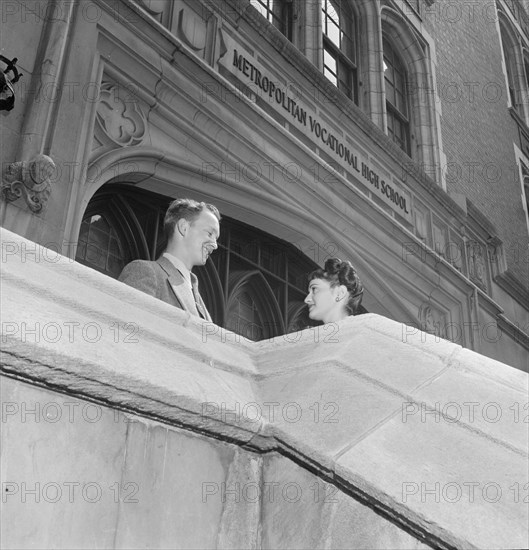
(366, 378)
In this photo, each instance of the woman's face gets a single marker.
(323, 303)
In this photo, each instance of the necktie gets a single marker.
(196, 295)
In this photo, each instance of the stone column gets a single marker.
(48, 68)
(313, 41)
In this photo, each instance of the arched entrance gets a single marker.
(254, 284)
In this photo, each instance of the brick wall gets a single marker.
(477, 128)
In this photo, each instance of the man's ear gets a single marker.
(181, 226)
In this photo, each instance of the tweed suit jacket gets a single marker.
(160, 279)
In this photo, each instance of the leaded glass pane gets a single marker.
(339, 45)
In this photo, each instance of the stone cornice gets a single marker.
(508, 282)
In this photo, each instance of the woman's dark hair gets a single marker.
(337, 273)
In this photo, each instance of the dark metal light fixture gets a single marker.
(7, 92)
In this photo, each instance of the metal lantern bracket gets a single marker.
(11, 66)
(7, 92)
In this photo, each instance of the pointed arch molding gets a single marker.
(170, 173)
(246, 281)
(213, 293)
(413, 50)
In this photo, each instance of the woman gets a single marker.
(335, 292)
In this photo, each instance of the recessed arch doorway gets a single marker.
(254, 284)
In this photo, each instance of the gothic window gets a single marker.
(516, 70)
(99, 245)
(525, 198)
(244, 317)
(394, 85)
(525, 86)
(252, 308)
(397, 105)
(108, 238)
(510, 65)
(262, 278)
(277, 12)
(339, 46)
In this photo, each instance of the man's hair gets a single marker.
(187, 209)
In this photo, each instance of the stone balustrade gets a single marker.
(127, 423)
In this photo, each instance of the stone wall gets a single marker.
(84, 475)
(129, 423)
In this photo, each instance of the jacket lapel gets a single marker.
(175, 279)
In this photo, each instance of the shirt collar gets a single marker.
(177, 262)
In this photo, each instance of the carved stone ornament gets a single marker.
(119, 115)
(30, 180)
(191, 30)
(432, 321)
(476, 263)
(439, 239)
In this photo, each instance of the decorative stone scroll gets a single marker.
(30, 180)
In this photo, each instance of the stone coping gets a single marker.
(429, 434)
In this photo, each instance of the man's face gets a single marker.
(200, 239)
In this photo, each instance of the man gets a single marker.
(192, 229)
